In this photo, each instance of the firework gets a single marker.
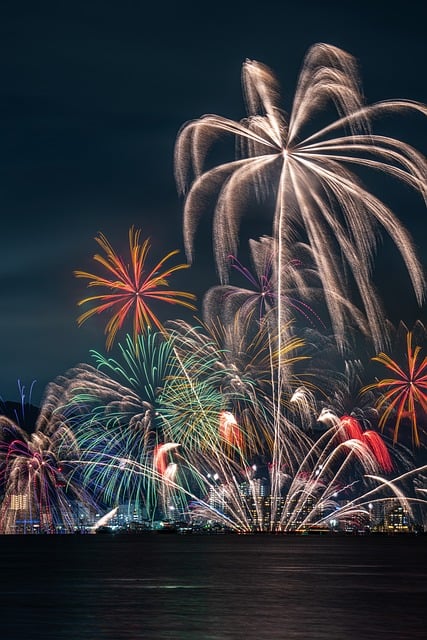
(315, 190)
(35, 475)
(262, 294)
(113, 408)
(129, 289)
(405, 393)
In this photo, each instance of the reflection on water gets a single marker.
(213, 588)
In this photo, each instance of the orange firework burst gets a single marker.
(406, 391)
(131, 287)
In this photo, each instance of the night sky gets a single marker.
(93, 95)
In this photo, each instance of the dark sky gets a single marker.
(92, 97)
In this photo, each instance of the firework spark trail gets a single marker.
(104, 520)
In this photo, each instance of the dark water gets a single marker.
(213, 588)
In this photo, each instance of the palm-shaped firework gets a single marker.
(129, 289)
(315, 191)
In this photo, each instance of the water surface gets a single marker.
(213, 587)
